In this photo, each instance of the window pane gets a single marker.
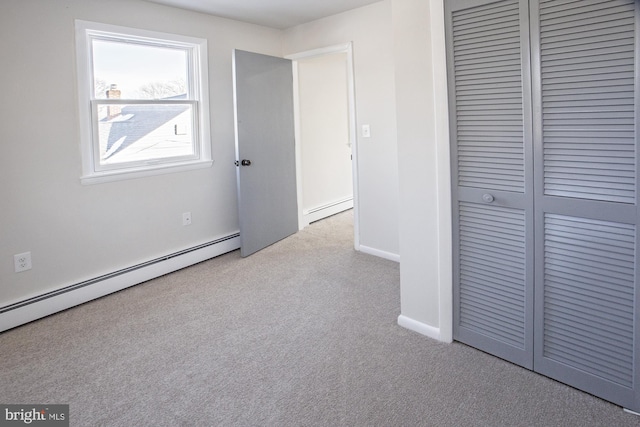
(143, 132)
(136, 71)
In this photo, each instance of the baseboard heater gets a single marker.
(42, 305)
(320, 212)
(329, 205)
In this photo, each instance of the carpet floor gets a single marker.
(303, 333)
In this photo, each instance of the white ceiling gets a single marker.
(271, 13)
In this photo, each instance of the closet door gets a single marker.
(489, 95)
(585, 103)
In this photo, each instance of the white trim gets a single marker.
(377, 252)
(109, 176)
(353, 135)
(320, 212)
(337, 48)
(443, 177)
(236, 146)
(421, 328)
(44, 307)
(302, 221)
(198, 71)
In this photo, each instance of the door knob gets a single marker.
(487, 198)
(245, 162)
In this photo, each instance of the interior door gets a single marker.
(488, 51)
(265, 150)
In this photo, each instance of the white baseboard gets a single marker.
(379, 253)
(35, 308)
(321, 212)
(419, 327)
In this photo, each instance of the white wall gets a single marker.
(370, 30)
(400, 74)
(324, 130)
(424, 164)
(77, 232)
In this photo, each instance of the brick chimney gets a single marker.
(113, 110)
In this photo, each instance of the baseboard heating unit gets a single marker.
(30, 309)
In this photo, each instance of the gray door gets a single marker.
(585, 132)
(545, 161)
(492, 176)
(265, 150)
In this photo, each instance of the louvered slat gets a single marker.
(587, 68)
(488, 91)
(588, 295)
(492, 272)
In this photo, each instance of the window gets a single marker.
(143, 102)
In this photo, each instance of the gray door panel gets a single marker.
(586, 201)
(491, 163)
(267, 198)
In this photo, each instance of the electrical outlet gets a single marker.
(22, 262)
(186, 218)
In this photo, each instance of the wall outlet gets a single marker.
(186, 218)
(22, 262)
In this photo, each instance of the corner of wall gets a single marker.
(423, 153)
(441, 109)
(423, 329)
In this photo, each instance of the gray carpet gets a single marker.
(303, 333)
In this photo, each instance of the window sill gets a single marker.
(119, 175)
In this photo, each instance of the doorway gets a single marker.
(326, 155)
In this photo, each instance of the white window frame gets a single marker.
(198, 98)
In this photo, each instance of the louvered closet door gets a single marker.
(585, 128)
(487, 43)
